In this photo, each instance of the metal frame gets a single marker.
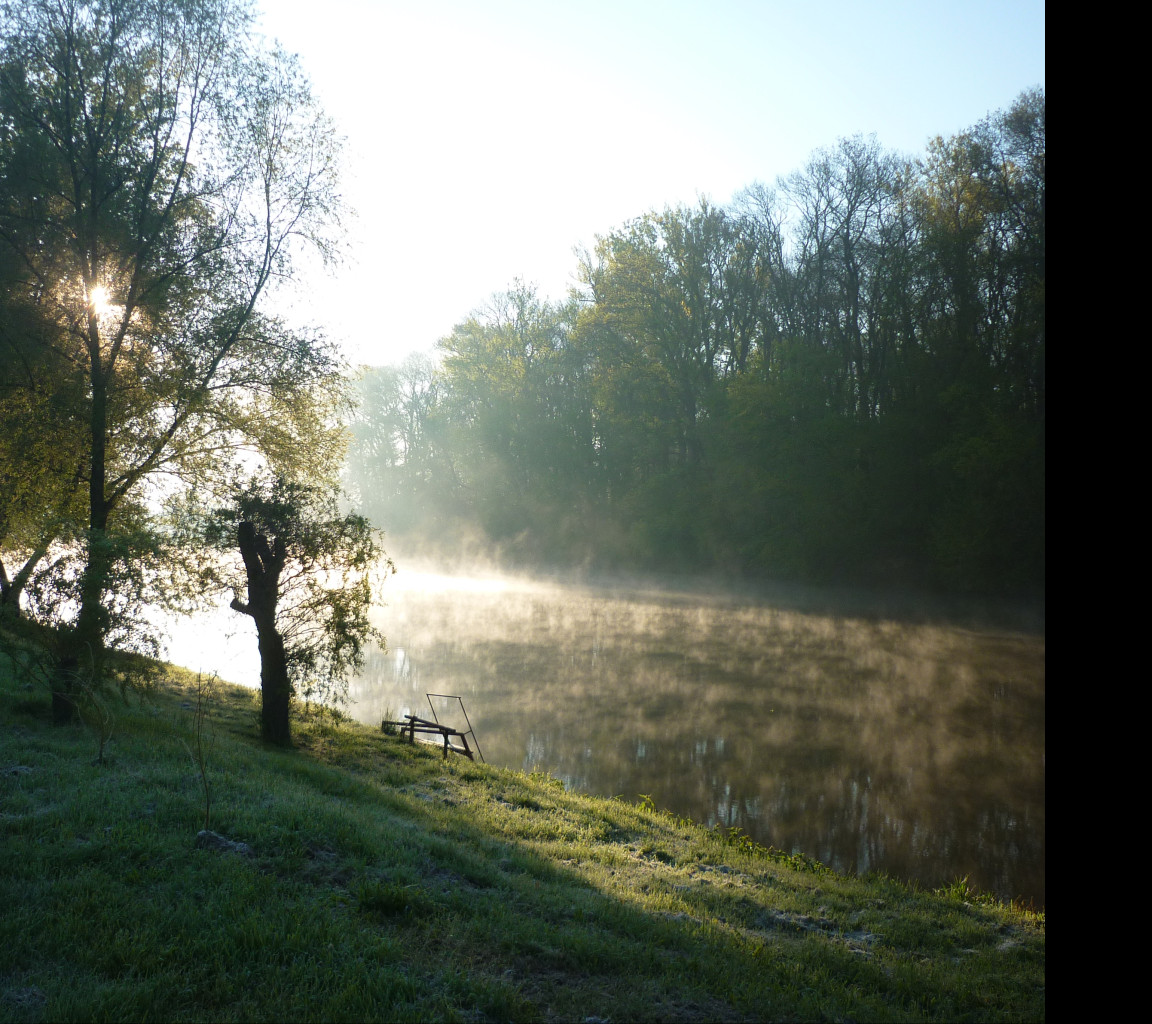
(471, 732)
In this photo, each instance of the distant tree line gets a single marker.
(837, 379)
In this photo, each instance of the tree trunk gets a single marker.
(83, 646)
(263, 563)
(275, 693)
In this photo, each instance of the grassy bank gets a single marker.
(379, 881)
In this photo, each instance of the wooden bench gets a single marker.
(413, 725)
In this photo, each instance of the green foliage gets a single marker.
(322, 567)
(840, 379)
(41, 450)
(388, 724)
(399, 470)
(160, 167)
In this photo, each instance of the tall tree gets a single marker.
(399, 469)
(516, 409)
(982, 205)
(847, 217)
(159, 168)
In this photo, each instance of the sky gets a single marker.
(487, 140)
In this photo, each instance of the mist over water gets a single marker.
(869, 743)
(871, 738)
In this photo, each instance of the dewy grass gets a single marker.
(383, 882)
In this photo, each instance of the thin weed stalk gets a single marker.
(204, 691)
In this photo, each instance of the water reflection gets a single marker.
(872, 745)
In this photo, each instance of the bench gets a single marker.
(414, 724)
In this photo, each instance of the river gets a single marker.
(872, 740)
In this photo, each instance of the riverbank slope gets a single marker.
(357, 877)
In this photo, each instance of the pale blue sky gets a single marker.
(487, 139)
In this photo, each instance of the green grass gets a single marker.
(385, 883)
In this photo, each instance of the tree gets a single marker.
(516, 409)
(159, 169)
(982, 206)
(41, 465)
(305, 579)
(676, 307)
(394, 456)
(847, 234)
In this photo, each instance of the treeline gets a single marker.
(838, 379)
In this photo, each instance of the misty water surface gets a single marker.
(869, 743)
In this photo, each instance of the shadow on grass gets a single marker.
(386, 882)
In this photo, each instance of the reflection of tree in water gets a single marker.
(872, 745)
(402, 666)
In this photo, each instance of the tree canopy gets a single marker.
(161, 169)
(836, 378)
(305, 576)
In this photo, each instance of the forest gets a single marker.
(835, 379)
